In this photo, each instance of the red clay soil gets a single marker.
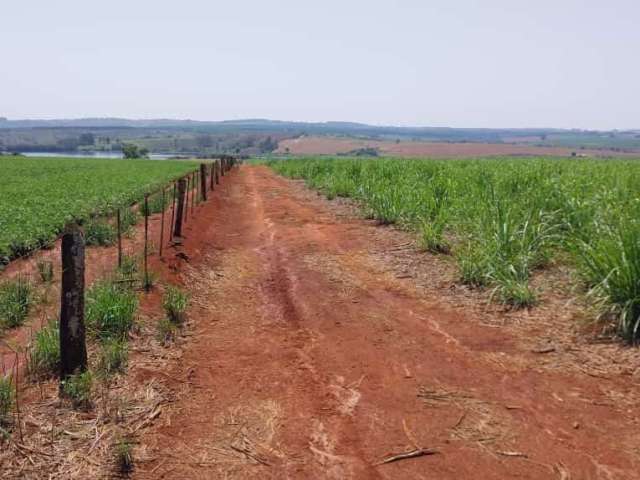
(307, 359)
(334, 145)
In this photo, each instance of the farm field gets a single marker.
(504, 219)
(39, 196)
(312, 340)
(334, 145)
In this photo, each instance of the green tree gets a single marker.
(130, 150)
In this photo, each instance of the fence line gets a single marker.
(71, 325)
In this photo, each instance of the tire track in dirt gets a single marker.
(307, 361)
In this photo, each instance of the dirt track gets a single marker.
(307, 359)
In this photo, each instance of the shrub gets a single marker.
(114, 355)
(45, 269)
(99, 233)
(78, 389)
(15, 301)
(44, 357)
(110, 310)
(175, 304)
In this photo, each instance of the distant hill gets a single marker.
(262, 125)
(257, 135)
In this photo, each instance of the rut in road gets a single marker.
(307, 359)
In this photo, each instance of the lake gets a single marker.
(153, 156)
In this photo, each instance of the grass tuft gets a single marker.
(432, 238)
(156, 205)
(78, 388)
(166, 332)
(99, 233)
(129, 266)
(45, 270)
(175, 303)
(110, 310)
(7, 397)
(44, 356)
(114, 355)
(16, 297)
(124, 456)
(148, 280)
(611, 267)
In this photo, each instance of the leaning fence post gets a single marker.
(119, 228)
(182, 187)
(146, 241)
(73, 349)
(164, 207)
(203, 182)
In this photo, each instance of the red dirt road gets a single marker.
(307, 359)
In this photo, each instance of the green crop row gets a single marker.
(38, 196)
(502, 219)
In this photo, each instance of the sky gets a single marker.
(458, 63)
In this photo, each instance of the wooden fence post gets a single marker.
(212, 178)
(180, 210)
(197, 189)
(146, 242)
(217, 164)
(164, 207)
(193, 191)
(222, 164)
(119, 228)
(186, 210)
(73, 349)
(203, 182)
(173, 212)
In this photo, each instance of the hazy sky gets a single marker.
(489, 63)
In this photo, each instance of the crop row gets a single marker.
(504, 218)
(39, 196)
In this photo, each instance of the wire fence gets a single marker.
(181, 195)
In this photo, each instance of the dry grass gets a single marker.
(481, 422)
(52, 440)
(244, 435)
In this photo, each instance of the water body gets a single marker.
(153, 156)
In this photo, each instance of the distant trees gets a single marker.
(204, 141)
(130, 150)
(268, 145)
(86, 139)
(68, 144)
